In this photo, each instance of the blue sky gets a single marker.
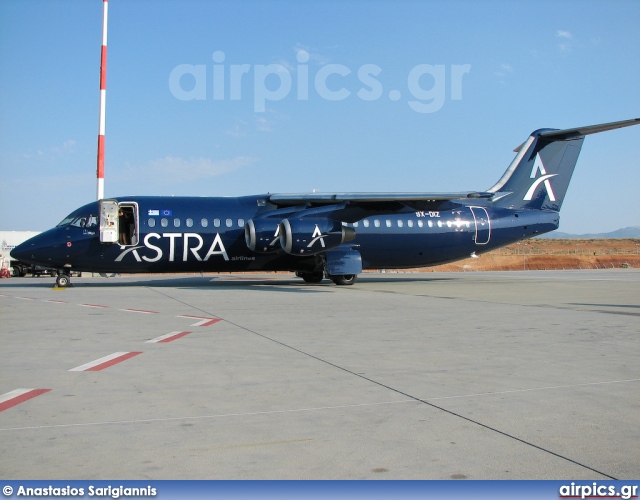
(328, 95)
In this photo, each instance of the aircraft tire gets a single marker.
(63, 280)
(315, 277)
(344, 279)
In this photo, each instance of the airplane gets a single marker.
(317, 235)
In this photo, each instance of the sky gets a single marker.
(230, 98)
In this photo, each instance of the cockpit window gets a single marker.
(82, 221)
(66, 221)
(85, 221)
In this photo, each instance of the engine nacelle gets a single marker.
(313, 236)
(261, 235)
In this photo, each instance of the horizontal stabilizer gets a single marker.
(570, 133)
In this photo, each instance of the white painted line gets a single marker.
(17, 396)
(169, 337)
(553, 387)
(220, 415)
(207, 322)
(105, 362)
(139, 311)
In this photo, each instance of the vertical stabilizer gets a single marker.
(539, 175)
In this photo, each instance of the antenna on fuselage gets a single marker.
(103, 98)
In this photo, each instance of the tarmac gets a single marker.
(492, 375)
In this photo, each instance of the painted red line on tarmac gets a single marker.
(13, 398)
(207, 322)
(57, 301)
(192, 317)
(141, 311)
(25, 298)
(94, 305)
(169, 337)
(105, 362)
(4, 295)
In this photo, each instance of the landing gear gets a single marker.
(312, 277)
(344, 279)
(63, 280)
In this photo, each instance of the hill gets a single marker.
(627, 232)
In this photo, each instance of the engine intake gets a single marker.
(313, 236)
(261, 235)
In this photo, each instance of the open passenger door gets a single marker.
(108, 221)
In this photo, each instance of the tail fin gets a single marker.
(539, 175)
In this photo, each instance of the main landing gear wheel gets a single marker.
(63, 280)
(314, 277)
(344, 279)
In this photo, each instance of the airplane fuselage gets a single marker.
(185, 234)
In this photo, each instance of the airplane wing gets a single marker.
(369, 198)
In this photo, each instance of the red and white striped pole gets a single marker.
(103, 99)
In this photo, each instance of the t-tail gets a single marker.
(539, 175)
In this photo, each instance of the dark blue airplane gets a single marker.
(317, 235)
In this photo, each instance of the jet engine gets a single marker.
(313, 236)
(261, 235)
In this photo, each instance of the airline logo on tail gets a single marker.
(543, 179)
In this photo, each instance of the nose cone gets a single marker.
(43, 249)
(29, 251)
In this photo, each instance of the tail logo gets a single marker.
(543, 179)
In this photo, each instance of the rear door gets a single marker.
(483, 225)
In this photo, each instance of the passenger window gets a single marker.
(355, 224)
(388, 223)
(400, 223)
(365, 223)
(216, 222)
(152, 223)
(176, 222)
(189, 222)
(376, 223)
(410, 223)
(240, 222)
(448, 223)
(204, 222)
(430, 223)
(229, 222)
(164, 222)
(420, 223)
(439, 223)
